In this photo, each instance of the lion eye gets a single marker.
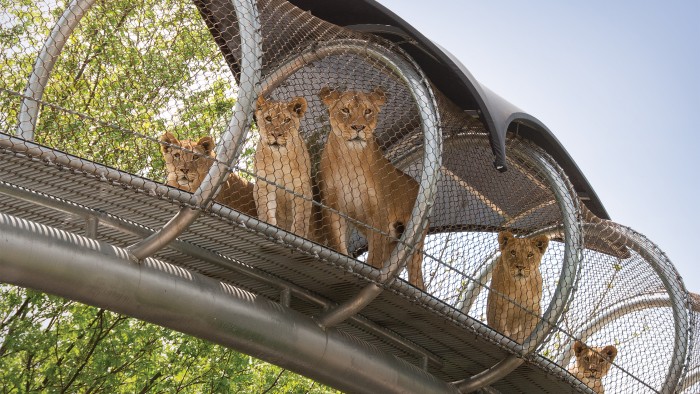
(268, 119)
(512, 253)
(287, 120)
(176, 155)
(345, 110)
(368, 111)
(530, 255)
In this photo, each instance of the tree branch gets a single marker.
(101, 334)
(275, 382)
(151, 382)
(21, 313)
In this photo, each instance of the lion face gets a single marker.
(522, 256)
(189, 164)
(594, 363)
(353, 114)
(278, 120)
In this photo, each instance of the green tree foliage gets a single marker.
(49, 344)
(131, 71)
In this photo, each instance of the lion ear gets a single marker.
(541, 242)
(610, 351)
(298, 106)
(578, 347)
(504, 237)
(378, 97)
(207, 143)
(328, 95)
(168, 138)
(260, 102)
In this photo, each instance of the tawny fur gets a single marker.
(187, 168)
(513, 305)
(592, 364)
(357, 180)
(282, 160)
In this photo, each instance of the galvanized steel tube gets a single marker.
(287, 290)
(473, 289)
(573, 240)
(679, 304)
(412, 76)
(231, 141)
(100, 274)
(609, 315)
(29, 108)
(690, 380)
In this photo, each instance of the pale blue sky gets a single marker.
(618, 83)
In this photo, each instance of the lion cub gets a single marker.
(282, 162)
(187, 170)
(592, 364)
(356, 179)
(513, 305)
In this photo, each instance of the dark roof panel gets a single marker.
(456, 82)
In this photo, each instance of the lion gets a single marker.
(592, 364)
(188, 162)
(282, 164)
(356, 180)
(513, 305)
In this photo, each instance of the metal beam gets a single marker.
(29, 108)
(690, 380)
(231, 143)
(610, 314)
(679, 301)
(480, 280)
(231, 140)
(573, 240)
(424, 99)
(287, 290)
(100, 274)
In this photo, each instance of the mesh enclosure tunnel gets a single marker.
(322, 187)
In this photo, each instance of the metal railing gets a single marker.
(261, 326)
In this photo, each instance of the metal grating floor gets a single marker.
(457, 345)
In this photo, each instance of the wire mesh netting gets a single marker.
(691, 380)
(333, 140)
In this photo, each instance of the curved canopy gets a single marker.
(453, 79)
(291, 299)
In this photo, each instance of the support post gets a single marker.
(231, 142)
(411, 74)
(573, 240)
(29, 108)
(100, 274)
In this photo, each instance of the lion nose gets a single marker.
(358, 127)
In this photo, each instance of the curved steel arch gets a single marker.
(231, 142)
(432, 155)
(690, 380)
(674, 299)
(229, 145)
(29, 108)
(453, 79)
(104, 275)
(573, 240)
(502, 117)
(679, 298)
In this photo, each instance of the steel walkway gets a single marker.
(88, 230)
